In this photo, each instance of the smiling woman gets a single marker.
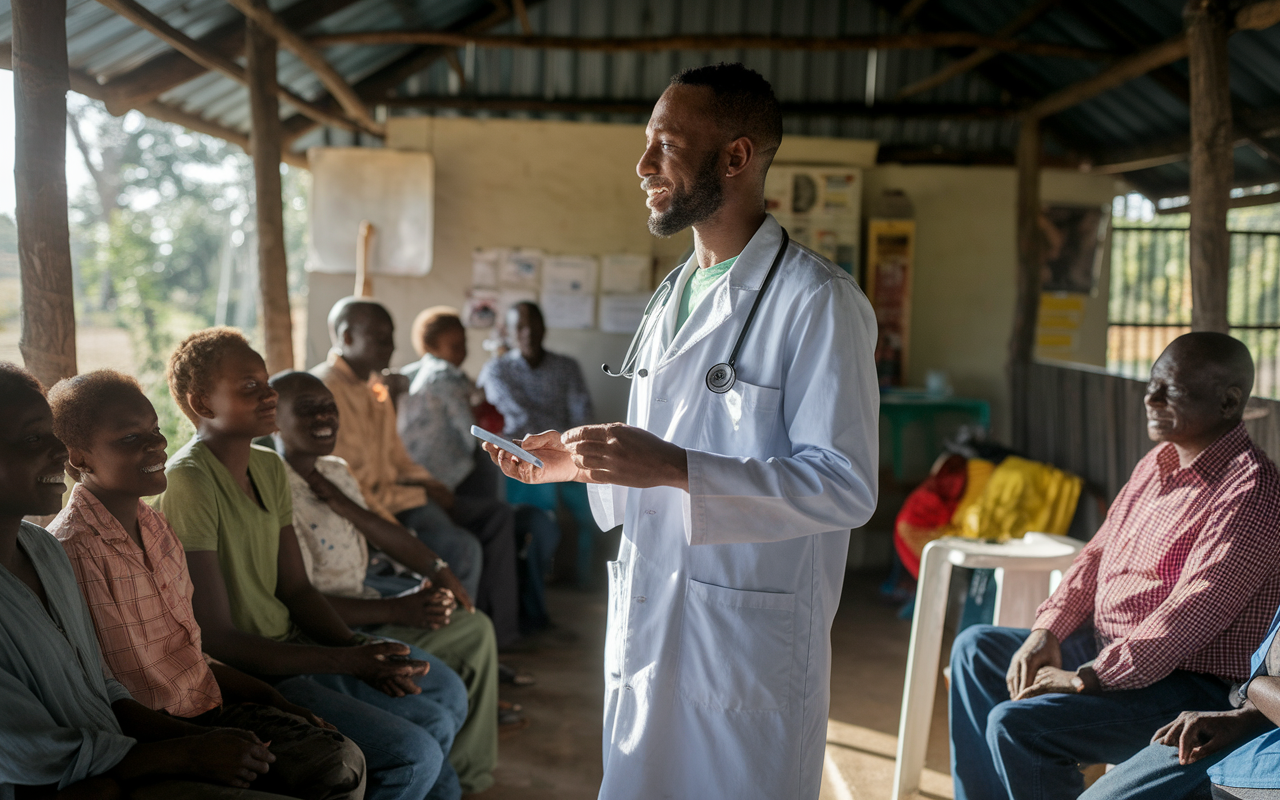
(31, 457)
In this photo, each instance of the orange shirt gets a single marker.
(140, 603)
(369, 442)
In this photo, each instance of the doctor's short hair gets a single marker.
(742, 102)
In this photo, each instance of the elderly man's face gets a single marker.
(1186, 401)
(681, 167)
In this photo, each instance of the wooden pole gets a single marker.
(364, 251)
(1212, 164)
(309, 55)
(1122, 71)
(264, 141)
(1027, 304)
(40, 83)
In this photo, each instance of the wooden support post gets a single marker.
(1212, 163)
(264, 142)
(1027, 304)
(40, 83)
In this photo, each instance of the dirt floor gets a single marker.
(558, 756)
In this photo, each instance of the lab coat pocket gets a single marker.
(741, 421)
(614, 630)
(737, 648)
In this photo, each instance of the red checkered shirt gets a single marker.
(141, 612)
(1184, 573)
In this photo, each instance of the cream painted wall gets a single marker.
(963, 289)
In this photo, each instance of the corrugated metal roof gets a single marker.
(1148, 109)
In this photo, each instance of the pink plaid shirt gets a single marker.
(1185, 572)
(140, 604)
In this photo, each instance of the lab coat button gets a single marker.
(650, 512)
(641, 599)
(627, 687)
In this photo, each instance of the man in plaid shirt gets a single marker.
(1158, 614)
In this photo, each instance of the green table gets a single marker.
(902, 407)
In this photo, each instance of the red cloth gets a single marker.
(488, 417)
(927, 510)
(1184, 573)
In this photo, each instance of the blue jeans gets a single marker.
(1155, 774)
(451, 541)
(547, 496)
(405, 740)
(537, 534)
(1032, 749)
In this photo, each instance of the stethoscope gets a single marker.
(722, 376)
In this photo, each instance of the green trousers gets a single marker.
(468, 646)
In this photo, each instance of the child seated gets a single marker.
(228, 501)
(331, 520)
(68, 728)
(133, 574)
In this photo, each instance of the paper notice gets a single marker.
(519, 269)
(509, 297)
(569, 275)
(621, 313)
(484, 267)
(482, 309)
(624, 273)
(568, 311)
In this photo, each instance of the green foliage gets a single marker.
(8, 234)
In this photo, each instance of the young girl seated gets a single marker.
(228, 501)
(68, 729)
(332, 520)
(133, 574)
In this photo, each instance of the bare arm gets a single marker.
(424, 608)
(240, 687)
(171, 746)
(309, 609)
(1264, 693)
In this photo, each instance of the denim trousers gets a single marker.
(405, 740)
(1032, 749)
(547, 496)
(455, 544)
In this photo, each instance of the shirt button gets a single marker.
(651, 512)
(641, 599)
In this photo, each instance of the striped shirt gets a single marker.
(1185, 571)
(140, 603)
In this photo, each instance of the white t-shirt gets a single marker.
(334, 552)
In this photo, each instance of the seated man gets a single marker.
(1228, 755)
(435, 418)
(475, 536)
(133, 573)
(68, 729)
(1158, 613)
(537, 390)
(332, 522)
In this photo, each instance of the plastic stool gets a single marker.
(1024, 571)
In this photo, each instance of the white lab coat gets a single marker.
(718, 653)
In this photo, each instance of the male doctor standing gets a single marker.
(736, 505)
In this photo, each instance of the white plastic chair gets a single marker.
(1024, 572)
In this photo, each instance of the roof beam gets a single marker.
(335, 83)
(653, 44)
(979, 56)
(913, 111)
(213, 60)
(172, 69)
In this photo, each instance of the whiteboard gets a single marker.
(394, 190)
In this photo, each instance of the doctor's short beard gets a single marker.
(693, 206)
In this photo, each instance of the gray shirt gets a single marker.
(552, 397)
(434, 419)
(57, 725)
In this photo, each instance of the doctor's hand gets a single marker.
(557, 467)
(624, 455)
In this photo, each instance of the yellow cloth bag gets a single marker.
(1019, 496)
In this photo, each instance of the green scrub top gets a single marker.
(698, 286)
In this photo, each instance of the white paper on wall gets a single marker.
(572, 311)
(395, 190)
(482, 309)
(624, 273)
(519, 269)
(621, 313)
(569, 275)
(485, 262)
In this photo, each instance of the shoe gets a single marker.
(510, 677)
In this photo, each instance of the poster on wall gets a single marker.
(820, 207)
(890, 251)
(394, 190)
(1071, 238)
(1058, 324)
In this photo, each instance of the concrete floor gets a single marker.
(558, 756)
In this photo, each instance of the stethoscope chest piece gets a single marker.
(721, 378)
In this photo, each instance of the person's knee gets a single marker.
(969, 645)
(1013, 722)
(413, 765)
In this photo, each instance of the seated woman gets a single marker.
(331, 520)
(68, 728)
(229, 503)
(435, 418)
(133, 573)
